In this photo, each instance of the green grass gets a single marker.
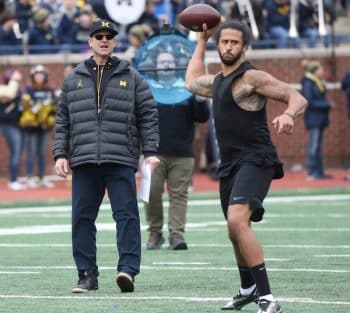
(306, 246)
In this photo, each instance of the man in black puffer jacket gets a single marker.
(106, 112)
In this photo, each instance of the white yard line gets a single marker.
(217, 215)
(180, 263)
(192, 245)
(332, 256)
(296, 246)
(178, 268)
(166, 298)
(18, 273)
(106, 206)
(203, 226)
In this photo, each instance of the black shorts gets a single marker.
(248, 183)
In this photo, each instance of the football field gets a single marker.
(306, 241)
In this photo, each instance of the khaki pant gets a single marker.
(176, 172)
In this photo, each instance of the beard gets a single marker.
(232, 60)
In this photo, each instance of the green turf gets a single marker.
(306, 246)
(192, 195)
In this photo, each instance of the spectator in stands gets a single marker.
(54, 7)
(148, 17)
(2, 6)
(24, 14)
(277, 13)
(308, 25)
(346, 5)
(68, 13)
(81, 29)
(9, 43)
(137, 36)
(37, 120)
(345, 85)
(316, 117)
(308, 22)
(257, 7)
(9, 116)
(41, 37)
(165, 12)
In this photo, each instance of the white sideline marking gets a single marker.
(152, 298)
(189, 268)
(332, 256)
(10, 273)
(304, 215)
(218, 214)
(180, 263)
(308, 246)
(301, 229)
(106, 206)
(192, 245)
(65, 228)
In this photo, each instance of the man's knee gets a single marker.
(238, 218)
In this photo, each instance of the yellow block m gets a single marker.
(122, 83)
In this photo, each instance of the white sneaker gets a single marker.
(46, 183)
(15, 185)
(33, 182)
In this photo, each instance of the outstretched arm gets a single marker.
(270, 87)
(197, 80)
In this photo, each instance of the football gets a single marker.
(195, 15)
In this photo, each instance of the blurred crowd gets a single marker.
(53, 26)
(27, 116)
(27, 112)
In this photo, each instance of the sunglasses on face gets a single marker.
(100, 36)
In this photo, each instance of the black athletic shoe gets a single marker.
(266, 306)
(239, 301)
(125, 282)
(87, 282)
(155, 242)
(177, 244)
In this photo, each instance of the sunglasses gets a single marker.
(100, 37)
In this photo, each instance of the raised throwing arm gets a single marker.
(197, 80)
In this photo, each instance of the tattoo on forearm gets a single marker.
(279, 94)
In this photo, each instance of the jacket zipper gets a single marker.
(98, 89)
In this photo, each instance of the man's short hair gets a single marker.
(242, 27)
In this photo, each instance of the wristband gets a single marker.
(289, 114)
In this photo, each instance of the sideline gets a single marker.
(106, 206)
(152, 298)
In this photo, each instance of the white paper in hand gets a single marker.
(145, 185)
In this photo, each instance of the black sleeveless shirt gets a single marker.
(243, 136)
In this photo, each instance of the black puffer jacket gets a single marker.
(128, 119)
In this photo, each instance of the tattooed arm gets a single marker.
(268, 86)
(202, 86)
(197, 80)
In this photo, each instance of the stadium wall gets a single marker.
(283, 64)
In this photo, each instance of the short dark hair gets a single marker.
(6, 16)
(242, 27)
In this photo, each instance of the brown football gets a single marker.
(195, 15)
